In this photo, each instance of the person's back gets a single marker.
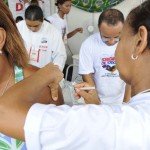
(98, 127)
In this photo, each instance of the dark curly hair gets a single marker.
(140, 16)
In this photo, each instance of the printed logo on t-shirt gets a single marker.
(44, 44)
(109, 64)
(44, 40)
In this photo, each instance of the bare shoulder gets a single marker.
(45, 96)
(29, 70)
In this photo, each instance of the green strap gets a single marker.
(18, 74)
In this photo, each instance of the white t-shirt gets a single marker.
(59, 23)
(43, 46)
(97, 58)
(90, 127)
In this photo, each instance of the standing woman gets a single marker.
(59, 21)
(14, 67)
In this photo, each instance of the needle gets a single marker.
(87, 88)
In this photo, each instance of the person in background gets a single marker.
(14, 67)
(88, 127)
(42, 41)
(19, 18)
(97, 61)
(39, 3)
(59, 21)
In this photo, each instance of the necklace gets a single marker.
(6, 86)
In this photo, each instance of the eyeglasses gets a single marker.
(107, 39)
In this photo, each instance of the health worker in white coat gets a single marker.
(43, 42)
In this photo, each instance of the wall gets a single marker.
(79, 18)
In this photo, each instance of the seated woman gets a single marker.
(14, 67)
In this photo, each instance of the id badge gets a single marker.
(34, 54)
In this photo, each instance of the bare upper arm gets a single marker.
(45, 95)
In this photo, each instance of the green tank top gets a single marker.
(8, 143)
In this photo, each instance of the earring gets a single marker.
(134, 58)
(1, 52)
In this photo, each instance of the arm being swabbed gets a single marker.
(16, 102)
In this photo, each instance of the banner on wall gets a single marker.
(95, 5)
(17, 7)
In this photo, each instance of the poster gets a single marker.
(95, 5)
(17, 7)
